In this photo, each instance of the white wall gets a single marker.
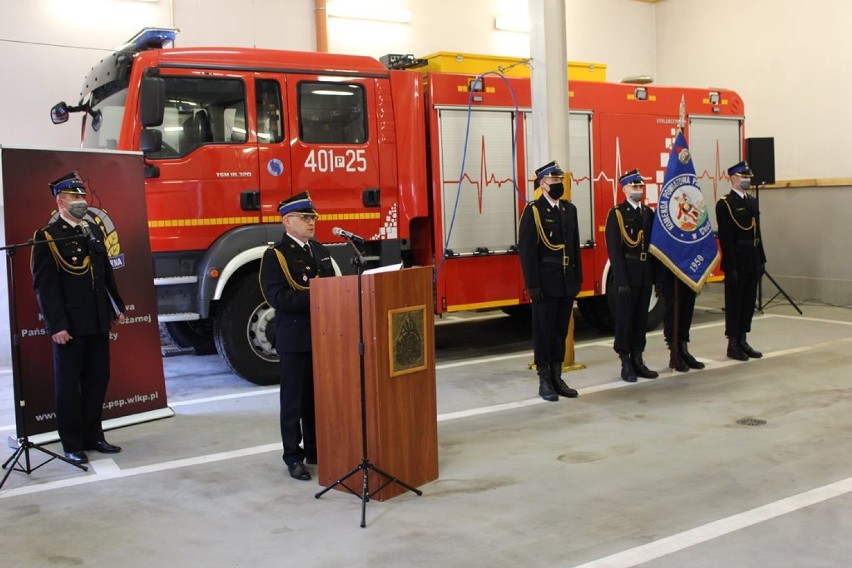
(48, 46)
(619, 33)
(46, 49)
(791, 62)
(272, 24)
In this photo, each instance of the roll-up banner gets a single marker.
(116, 198)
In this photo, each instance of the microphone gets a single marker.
(87, 231)
(337, 231)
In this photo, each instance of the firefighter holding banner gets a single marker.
(628, 231)
(682, 241)
(549, 250)
(677, 319)
(743, 259)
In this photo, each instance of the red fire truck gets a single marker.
(430, 167)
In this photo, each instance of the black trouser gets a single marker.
(739, 304)
(685, 307)
(631, 319)
(550, 319)
(297, 406)
(81, 374)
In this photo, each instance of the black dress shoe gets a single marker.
(735, 351)
(105, 447)
(298, 471)
(678, 364)
(641, 369)
(311, 460)
(558, 384)
(77, 457)
(749, 350)
(628, 374)
(676, 359)
(545, 389)
(564, 390)
(687, 357)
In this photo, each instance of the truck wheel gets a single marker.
(521, 312)
(245, 333)
(595, 310)
(196, 334)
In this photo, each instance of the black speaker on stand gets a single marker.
(760, 154)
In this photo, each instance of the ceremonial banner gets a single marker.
(682, 237)
(116, 197)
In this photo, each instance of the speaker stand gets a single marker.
(760, 305)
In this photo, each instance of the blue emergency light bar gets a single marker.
(150, 38)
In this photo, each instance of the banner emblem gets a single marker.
(682, 236)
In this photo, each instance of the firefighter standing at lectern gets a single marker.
(628, 235)
(743, 259)
(79, 300)
(549, 249)
(286, 270)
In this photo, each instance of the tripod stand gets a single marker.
(760, 305)
(24, 443)
(365, 467)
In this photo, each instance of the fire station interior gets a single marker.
(738, 464)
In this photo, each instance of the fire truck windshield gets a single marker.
(107, 135)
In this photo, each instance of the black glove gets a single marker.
(623, 290)
(731, 277)
(536, 295)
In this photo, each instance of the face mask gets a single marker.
(78, 209)
(636, 196)
(555, 190)
(745, 184)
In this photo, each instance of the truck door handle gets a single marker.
(372, 197)
(250, 200)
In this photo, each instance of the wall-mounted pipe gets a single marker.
(321, 17)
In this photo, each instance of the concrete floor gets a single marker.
(657, 473)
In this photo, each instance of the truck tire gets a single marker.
(245, 333)
(595, 310)
(522, 312)
(196, 334)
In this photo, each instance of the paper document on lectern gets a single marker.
(388, 268)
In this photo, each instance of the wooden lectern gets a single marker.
(399, 365)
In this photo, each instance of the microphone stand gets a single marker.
(24, 444)
(365, 466)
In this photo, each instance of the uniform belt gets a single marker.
(564, 261)
(749, 242)
(641, 257)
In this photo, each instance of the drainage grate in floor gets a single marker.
(751, 421)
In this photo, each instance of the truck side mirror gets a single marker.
(59, 113)
(152, 101)
(150, 141)
(97, 119)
